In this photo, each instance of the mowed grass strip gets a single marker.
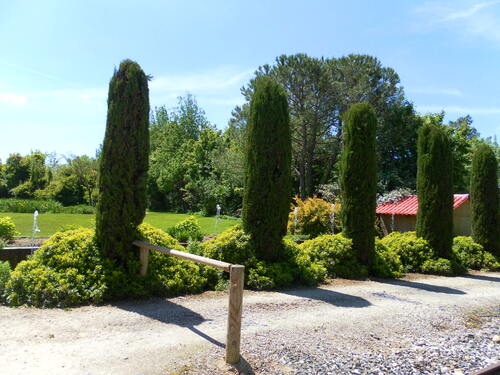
(51, 223)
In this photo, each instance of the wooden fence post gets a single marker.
(236, 279)
(144, 258)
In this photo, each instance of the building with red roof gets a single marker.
(401, 215)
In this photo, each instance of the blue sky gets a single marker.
(57, 57)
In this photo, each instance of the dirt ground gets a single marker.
(159, 336)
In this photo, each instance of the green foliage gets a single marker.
(468, 253)
(319, 92)
(397, 146)
(193, 165)
(485, 202)
(266, 199)
(413, 251)
(69, 270)
(7, 229)
(434, 189)
(5, 272)
(313, 216)
(186, 230)
(386, 262)
(490, 262)
(438, 266)
(123, 163)
(30, 205)
(335, 254)
(463, 139)
(232, 246)
(66, 270)
(358, 180)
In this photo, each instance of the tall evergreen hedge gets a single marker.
(435, 189)
(124, 162)
(267, 194)
(485, 200)
(358, 180)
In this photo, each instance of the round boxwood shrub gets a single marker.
(386, 262)
(70, 270)
(335, 254)
(234, 246)
(66, 270)
(186, 230)
(469, 253)
(7, 229)
(413, 251)
(438, 266)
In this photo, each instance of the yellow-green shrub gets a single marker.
(69, 270)
(412, 250)
(386, 262)
(186, 230)
(66, 270)
(313, 217)
(334, 253)
(469, 253)
(7, 228)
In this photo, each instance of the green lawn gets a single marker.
(50, 223)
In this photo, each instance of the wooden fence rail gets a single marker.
(236, 279)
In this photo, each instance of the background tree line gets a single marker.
(194, 165)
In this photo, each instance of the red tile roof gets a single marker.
(409, 205)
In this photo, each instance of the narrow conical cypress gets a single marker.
(485, 200)
(435, 189)
(267, 194)
(358, 180)
(124, 163)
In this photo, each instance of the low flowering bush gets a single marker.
(7, 229)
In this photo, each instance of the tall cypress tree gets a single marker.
(266, 199)
(435, 189)
(124, 162)
(484, 199)
(358, 180)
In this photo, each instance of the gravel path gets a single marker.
(418, 325)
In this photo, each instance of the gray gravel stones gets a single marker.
(434, 343)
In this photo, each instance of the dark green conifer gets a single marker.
(435, 189)
(124, 163)
(358, 180)
(266, 199)
(484, 199)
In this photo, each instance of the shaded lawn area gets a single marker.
(51, 223)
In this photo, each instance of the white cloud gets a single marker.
(216, 80)
(13, 99)
(480, 19)
(460, 109)
(435, 91)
